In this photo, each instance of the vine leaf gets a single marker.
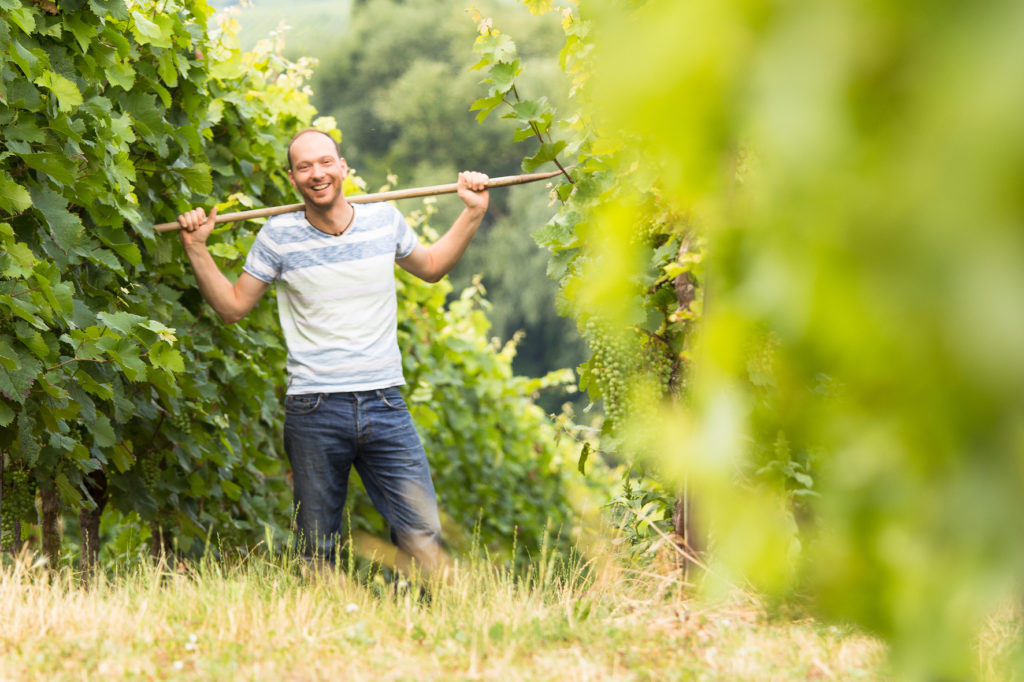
(13, 197)
(548, 152)
(67, 93)
(52, 164)
(584, 456)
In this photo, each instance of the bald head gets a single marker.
(308, 131)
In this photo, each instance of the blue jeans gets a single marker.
(325, 434)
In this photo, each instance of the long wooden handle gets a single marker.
(393, 195)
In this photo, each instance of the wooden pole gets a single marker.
(393, 195)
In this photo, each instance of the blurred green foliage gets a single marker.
(856, 172)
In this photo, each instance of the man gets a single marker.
(334, 265)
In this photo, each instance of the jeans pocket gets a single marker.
(298, 405)
(392, 397)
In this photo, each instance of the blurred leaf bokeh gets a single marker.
(857, 171)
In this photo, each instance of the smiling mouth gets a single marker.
(317, 188)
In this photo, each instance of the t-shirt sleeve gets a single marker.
(264, 259)
(405, 239)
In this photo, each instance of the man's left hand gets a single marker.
(473, 190)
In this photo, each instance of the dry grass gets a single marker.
(1001, 646)
(262, 620)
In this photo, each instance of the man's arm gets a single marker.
(431, 263)
(231, 301)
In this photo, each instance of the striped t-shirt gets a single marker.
(336, 297)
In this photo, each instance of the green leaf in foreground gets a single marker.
(67, 93)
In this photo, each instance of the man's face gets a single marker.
(317, 171)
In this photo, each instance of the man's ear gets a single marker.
(344, 167)
(291, 179)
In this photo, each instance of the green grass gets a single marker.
(267, 619)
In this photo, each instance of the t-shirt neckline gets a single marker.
(326, 235)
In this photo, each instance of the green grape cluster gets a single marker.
(652, 381)
(182, 421)
(7, 325)
(648, 232)
(761, 361)
(632, 371)
(610, 365)
(148, 465)
(79, 432)
(656, 228)
(19, 497)
(659, 364)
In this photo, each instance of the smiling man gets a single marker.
(333, 263)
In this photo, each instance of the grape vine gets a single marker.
(16, 503)
(182, 421)
(634, 364)
(115, 115)
(629, 370)
(149, 468)
(636, 318)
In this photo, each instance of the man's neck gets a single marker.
(334, 220)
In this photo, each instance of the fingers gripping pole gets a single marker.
(393, 195)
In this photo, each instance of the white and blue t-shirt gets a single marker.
(336, 297)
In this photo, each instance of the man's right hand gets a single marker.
(231, 301)
(196, 226)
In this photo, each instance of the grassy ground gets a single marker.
(264, 620)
